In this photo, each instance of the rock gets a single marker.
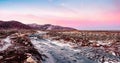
(1, 57)
(30, 60)
(26, 43)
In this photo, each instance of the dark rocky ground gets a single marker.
(92, 45)
(107, 41)
(21, 50)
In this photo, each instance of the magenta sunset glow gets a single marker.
(80, 14)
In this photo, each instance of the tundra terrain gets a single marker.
(35, 46)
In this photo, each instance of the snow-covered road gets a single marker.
(57, 52)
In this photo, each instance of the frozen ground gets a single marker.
(57, 52)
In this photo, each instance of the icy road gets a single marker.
(57, 52)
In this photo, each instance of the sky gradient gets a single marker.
(80, 14)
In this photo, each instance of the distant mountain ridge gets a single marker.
(49, 27)
(18, 25)
(13, 25)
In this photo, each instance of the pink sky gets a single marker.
(94, 14)
(59, 18)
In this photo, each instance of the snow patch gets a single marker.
(7, 42)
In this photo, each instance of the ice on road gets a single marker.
(56, 52)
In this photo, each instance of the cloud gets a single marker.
(50, 0)
(63, 4)
(66, 7)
